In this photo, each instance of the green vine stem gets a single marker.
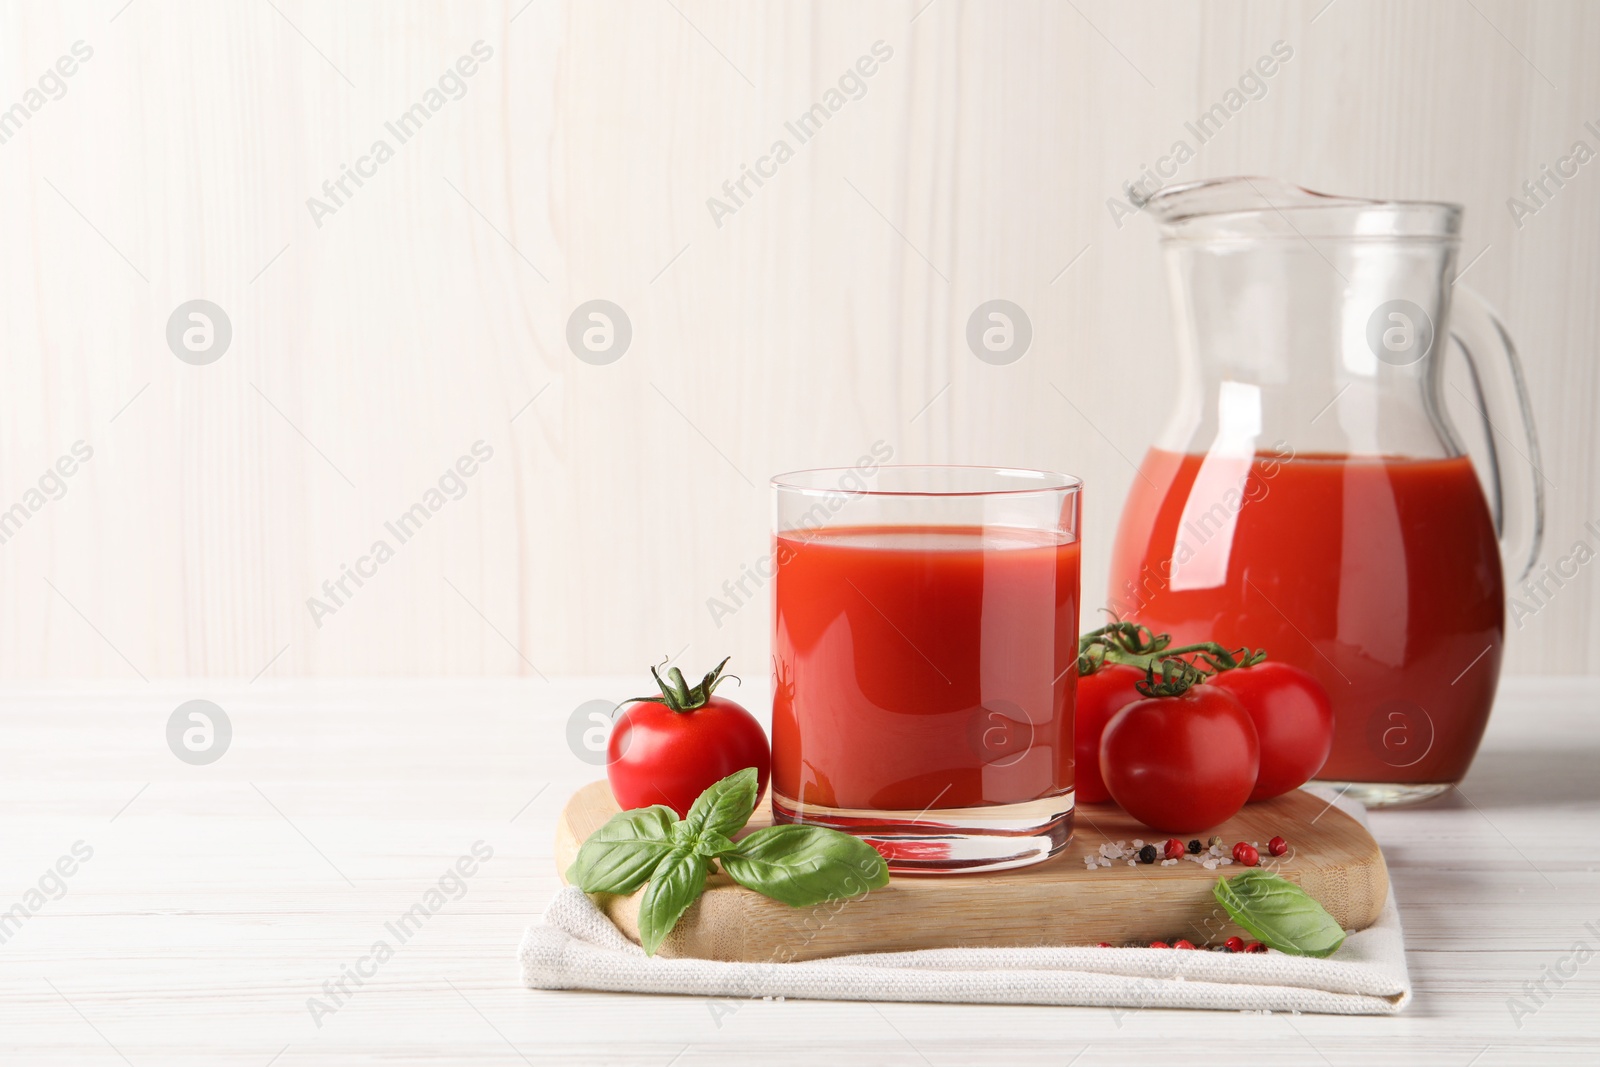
(1168, 671)
(1218, 658)
(679, 695)
(1176, 677)
(1119, 642)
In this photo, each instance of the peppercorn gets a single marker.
(1234, 944)
(1172, 850)
(1103, 944)
(1183, 942)
(1277, 846)
(1246, 853)
(1216, 841)
(1195, 847)
(1255, 946)
(1159, 944)
(1147, 854)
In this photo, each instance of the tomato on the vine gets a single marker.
(1181, 763)
(670, 749)
(1293, 718)
(1100, 696)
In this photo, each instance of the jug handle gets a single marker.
(1502, 402)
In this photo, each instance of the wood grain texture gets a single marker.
(1058, 902)
(215, 905)
(826, 313)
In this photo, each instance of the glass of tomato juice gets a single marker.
(925, 651)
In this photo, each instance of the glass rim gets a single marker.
(826, 481)
(1241, 209)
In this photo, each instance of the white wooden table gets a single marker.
(219, 899)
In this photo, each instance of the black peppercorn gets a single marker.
(1147, 854)
(1195, 846)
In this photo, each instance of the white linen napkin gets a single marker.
(576, 947)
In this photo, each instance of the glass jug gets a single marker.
(1309, 494)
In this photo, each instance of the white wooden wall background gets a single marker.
(827, 313)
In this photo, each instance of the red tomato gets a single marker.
(669, 750)
(1293, 718)
(1100, 696)
(1181, 763)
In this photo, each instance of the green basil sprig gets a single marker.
(798, 865)
(1279, 913)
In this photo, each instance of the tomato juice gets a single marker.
(923, 667)
(1379, 575)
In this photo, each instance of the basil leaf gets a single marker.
(618, 857)
(674, 885)
(725, 806)
(709, 843)
(1279, 913)
(804, 865)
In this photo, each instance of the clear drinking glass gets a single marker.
(925, 648)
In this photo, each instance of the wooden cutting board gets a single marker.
(1058, 902)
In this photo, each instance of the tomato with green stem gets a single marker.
(1185, 757)
(1112, 661)
(670, 749)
